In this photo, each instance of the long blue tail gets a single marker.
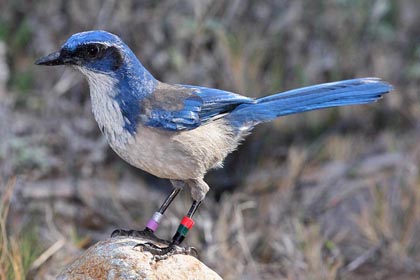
(342, 93)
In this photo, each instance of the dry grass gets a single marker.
(392, 225)
(17, 252)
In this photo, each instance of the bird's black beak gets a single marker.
(52, 59)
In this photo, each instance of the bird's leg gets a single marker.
(152, 224)
(173, 248)
(186, 224)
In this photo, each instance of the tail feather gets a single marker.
(342, 93)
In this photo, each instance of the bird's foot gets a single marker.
(161, 253)
(146, 234)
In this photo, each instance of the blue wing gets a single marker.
(183, 119)
(217, 102)
(185, 107)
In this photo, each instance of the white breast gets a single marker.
(106, 109)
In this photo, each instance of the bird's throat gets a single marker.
(105, 107)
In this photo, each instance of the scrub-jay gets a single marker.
(179, 132)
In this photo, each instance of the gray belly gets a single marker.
(179, 155)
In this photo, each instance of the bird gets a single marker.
(179, 132)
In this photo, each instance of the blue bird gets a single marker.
(179, 132)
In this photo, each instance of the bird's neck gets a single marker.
(116, 101)
(134, 83)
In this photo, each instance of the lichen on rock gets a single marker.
(116, 258)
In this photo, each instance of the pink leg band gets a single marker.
(152, 224)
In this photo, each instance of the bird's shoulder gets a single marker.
(170, 98)
(171, 107)
(185, 107)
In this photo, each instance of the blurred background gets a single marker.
(332, 194)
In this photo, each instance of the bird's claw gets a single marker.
(161, 253)
(146, 234)
(119, 232)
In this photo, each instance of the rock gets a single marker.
(116, 258)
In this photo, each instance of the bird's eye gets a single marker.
(93, 51)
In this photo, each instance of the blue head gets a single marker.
(98, 51)
(105, 59)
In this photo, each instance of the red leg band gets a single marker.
(187, 222)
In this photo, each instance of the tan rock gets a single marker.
(115, 258)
